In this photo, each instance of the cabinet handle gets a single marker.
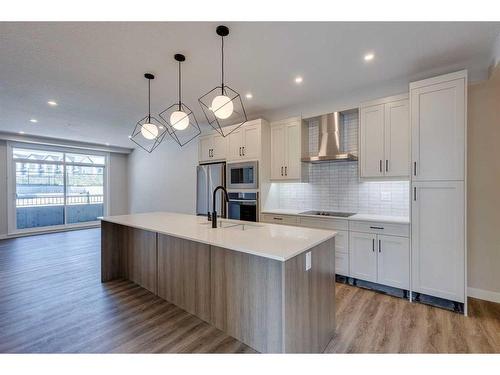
(376, 227)
(243, 150)
(277, 218)
(386, 165)
(240, 151)
(414, 168)
(380, 166)
(414, 193)
(209, 152)
(282, 171)
(286, 173)
(379, 246)
(212, 151)
(373, 244)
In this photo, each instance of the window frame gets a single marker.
(11, 184)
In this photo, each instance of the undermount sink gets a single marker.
(222, 224)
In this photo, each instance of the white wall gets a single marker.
(118, 184)
(164, 180)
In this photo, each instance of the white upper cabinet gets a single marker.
(211, 147)
(397, 139)
(244, 143)
(372, 141)
(438, 127)
(385, 138)
(286, 151)
(278, 153)
(438, 239)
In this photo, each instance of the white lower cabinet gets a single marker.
(393, 261)
(380, 259)
(438, 239)
(363, 256)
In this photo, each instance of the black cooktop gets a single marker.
(328, 213)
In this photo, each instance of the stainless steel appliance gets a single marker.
(209, 176)
(329, 140)
(243, 206)
(243, 175)
(328, 213)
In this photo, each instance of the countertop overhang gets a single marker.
(273, 241)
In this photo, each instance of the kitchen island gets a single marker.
(270, 286)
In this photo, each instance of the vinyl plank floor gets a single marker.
(52, 301)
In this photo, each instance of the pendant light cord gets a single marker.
(180, 86)
(222, 58)
(149, 100)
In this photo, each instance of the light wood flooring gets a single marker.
(52, 301)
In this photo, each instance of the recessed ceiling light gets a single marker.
(129, 137)
(34, 120)
(369, 57)
(52, 103)
(298, 79)
(21, 132)
(249, 95)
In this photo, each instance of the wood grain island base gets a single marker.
(271, 305)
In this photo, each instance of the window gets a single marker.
(56, 188)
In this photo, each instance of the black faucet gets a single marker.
(214, 213)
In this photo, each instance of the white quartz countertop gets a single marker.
(274, 241)
(356, 217)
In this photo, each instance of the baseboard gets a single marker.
(483, 294)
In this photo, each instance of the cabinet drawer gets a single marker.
(335, 224)
(341, 264)
(392, 229)
(279, 219)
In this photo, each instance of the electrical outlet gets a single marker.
(385, 196)
(308, 261)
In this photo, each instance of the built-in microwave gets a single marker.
(242, 175)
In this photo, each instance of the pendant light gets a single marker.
(148, 132)
(181, 121)
(222, 105)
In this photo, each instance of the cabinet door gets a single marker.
(277, 152)
(205, 146)
(219, 147)
(292, 155)
(438, 130)
(393, 261)
(438, 245)
(251, 142)
(235, 145)
(397, 139)
(363, 256)
(372, 141)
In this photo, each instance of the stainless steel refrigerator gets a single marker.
(209, 176)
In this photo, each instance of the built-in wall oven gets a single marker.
(243, 206)
(242, 175)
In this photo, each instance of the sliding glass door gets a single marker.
(54, 188)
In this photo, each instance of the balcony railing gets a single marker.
(30, 201)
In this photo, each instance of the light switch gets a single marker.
(308, 261)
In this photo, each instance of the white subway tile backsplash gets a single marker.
(336, 186)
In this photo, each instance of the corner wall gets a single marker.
(483, 181)
(164, 180)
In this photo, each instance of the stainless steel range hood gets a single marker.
(329, 142)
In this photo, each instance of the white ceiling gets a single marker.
(95, 70)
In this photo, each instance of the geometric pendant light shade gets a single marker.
(222, 105)
(180, 120)
(149, 132)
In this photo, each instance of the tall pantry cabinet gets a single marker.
(438, 116)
